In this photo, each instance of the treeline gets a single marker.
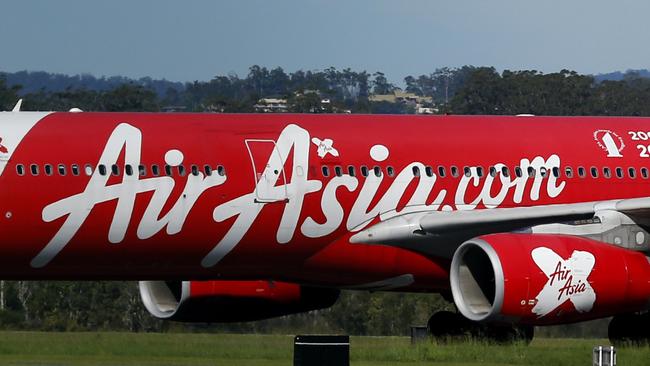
(116, 305)
(566, 93)
(36, 81)
(345, 90)
(465, 90)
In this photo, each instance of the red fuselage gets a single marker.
(128, 196)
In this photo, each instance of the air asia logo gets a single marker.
(610, 142)
(3, 148)
(324, 147)
(567, 281)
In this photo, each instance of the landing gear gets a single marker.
(629, 330)
(447, 326)
(444, 326)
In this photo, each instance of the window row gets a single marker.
(116, 170)
(530, 172)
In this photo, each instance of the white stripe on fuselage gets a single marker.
(13, 128)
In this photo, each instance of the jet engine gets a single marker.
(231, 301)
(538, 279)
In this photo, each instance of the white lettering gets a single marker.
(78, 207)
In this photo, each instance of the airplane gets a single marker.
(520, 221)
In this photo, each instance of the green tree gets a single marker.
(8, 95)
(380, 84)
(129, 98)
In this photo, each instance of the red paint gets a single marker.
(620, 278)
(219, 139)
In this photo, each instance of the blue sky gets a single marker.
(197, 39)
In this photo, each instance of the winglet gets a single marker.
(17, 106)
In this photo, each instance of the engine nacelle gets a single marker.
(547, 279)
(231, 301)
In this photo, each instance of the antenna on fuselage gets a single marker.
(17, 106)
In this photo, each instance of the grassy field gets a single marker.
(37, 348)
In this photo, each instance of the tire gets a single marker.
(629, 330)
(445, 326)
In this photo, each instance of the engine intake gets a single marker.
(477, 280)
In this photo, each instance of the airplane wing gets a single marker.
(439, 233)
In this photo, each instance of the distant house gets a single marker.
(399, 96)
(271, 105)
(427, 110)
(422, 105)
(174, 108)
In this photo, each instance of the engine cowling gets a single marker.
(231, 301)
(547, 279)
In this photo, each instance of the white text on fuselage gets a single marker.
(246, 208)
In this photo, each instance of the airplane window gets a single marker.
(644, 173)
(568, 172)
(326, 171)
(493, 171)
(377, 171)
(115, 170)
(168, 170)
(454, 171)
(607, 173)
(61, 169)
(428, 171)
(364, 170)
(207, 170)
(102, 169)
(351, 171)
(128, 169)
(88, 169)
(142, 170)
(479, 171)
(48, 169)
(619, 172)
(581, 172)
(594, 172)
(441, 171)
(338, 171)
(543, 172)
(632, 172)
(467, 171)
(221, 170)
(155, 171)
(416, 171)
(20, 169)
(74, 168)
(518, 172)
(531, 172)
(34, 169)
(195, 170)
(181, 170)
(556, 172)
(391, 171)
(505, 171)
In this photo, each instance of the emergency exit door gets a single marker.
(268, 171)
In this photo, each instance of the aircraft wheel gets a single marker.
(445, 326)
(629, 330)
(508, 334)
